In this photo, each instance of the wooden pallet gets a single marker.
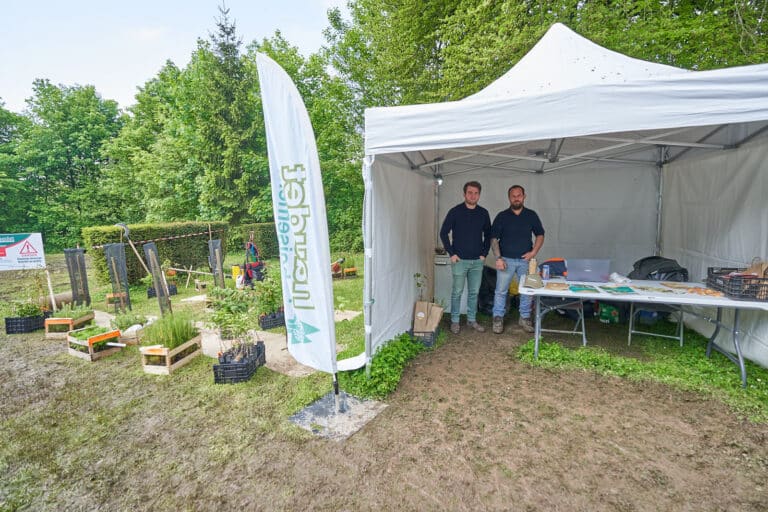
(93, 355)
(71, 324)
(167, 354)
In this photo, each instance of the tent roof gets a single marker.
(570, 101)
(562, 59)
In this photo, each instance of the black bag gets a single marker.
(656, 268)
(487, 293)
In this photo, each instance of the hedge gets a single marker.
(181, 252)
(264, 236)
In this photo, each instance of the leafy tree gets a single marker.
(12, 218)
(220, 91)
(58, 158)
(152, 173)
(407, 51)
(330, 105)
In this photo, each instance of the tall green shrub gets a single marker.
(182, 252)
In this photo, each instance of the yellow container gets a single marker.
(235, 272)
(514, 286)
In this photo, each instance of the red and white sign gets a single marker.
(21, 251)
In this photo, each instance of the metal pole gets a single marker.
(336, 392)
(368, 268)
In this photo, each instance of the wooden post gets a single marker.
(50, 288)
(189, 275)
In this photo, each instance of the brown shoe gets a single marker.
(498, 324)
(526, 324)
(476, 326)
(455, 328)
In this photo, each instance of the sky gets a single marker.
(117, 46)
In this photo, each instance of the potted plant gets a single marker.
(234, 314)
(93, 342)
(130, 326)
(24, 317)
(169, 343)
(269, 296)
(68, 318)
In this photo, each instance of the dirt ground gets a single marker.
(470, 428)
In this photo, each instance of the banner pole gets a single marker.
(336, 392)
(50, 289)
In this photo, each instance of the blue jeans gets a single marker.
(472, 272)
(503, 280)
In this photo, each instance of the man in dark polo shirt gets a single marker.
(470, 227)
(511, 242)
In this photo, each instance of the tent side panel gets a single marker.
(716, 214)
(403, 244)
(600, 211)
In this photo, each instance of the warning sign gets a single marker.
(27, 250)
(21, 251)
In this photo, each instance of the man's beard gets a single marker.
(517, 205)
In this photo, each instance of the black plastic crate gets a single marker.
(172, 290)
(272, 321)
(737, 286)
(232, 373)
(22, 324)
(426, 338)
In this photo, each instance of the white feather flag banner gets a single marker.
(300, 219)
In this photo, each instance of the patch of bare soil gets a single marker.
(470, 428)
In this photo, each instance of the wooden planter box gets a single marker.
(85, 349)
(71, 324)
(169, 360)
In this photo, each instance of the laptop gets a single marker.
(595, 271)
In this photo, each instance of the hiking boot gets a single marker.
(455, 327)
(476, 326)
(526, 324)
(498, 325)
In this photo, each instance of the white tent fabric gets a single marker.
(716, 215)
(547, 68)
(613, 128)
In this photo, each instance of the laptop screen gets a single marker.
(596, 271)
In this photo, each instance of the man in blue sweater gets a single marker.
(511, 241)
(470, 227)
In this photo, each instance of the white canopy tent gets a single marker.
(620, 157)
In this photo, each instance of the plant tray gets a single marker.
(172, 290)
(168, 365)
(741, 287)
(71, 324)
(22, 324)
(232, 373)
(89, 348)
(271, 321)
(426, 338)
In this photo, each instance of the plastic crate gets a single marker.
(743, 287)
(172, 290)
(426, 338)
(22, 324)
(232, 373)
(272, 321)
